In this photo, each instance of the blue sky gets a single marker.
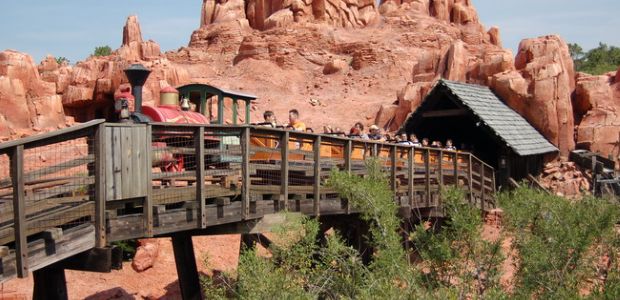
(73, 28)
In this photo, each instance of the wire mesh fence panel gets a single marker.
(173, 165)
(222, 172)
(333, 153)
(6, 193)
(58, 184)
(265, 168)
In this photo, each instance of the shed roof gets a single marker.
(508, 125)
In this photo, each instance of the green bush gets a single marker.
(558, 243)
(102, 51)
(557, 240)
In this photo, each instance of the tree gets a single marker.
(599, 60)
(61, 59)
(102, 51)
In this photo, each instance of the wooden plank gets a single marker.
(411, 174)
(148, 169)
(284, 182)
(445, 113)
(100, 185)
(456, 169)
(35, 176)
(317, 175)
(348, 150)
(127, 179)
(19, 211)
(50, 137)
(245, 172)
(109, 163)
(393, 167)
(470, 180)
(200, 175)
(482, 187)
(185, 261)
(440, 168)
(116, 163)
(427, 171)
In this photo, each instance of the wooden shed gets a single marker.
(477, 120)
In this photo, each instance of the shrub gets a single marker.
(102, 51)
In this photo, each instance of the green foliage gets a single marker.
(599, 60)
(128, 247)
(61, 59)
(556, 240)
(458, 260)
(559, 243)
(102, 51)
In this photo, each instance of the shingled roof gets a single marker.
(508, 125)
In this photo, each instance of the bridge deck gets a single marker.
(67, 191)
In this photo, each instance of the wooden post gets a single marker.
(185, 261)
(245, 172)
(100, 197)
(50, 284)
(234, 111)
(470, 182)
(411, 165)
(19, 211)
(393, 168)
(199, 142)
(456, 169)
(317, 175)
(348, 151)
(427, 167)
(148, 201)
(440, 169)
(482, 186)
(284, 171)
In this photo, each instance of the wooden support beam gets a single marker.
(470, 180)
(348, 150)
(50, 284)
(411, 175)
(456, 169)
(101, 260)
(19, 211)
(185, 261)
(200, 176)
(100, 193)
(284, 170)
(445, 113)
(148, 200)
(245, 172)
(393, 150)
(440, 169)
(317, 175)
(482, 187)
(427, 169)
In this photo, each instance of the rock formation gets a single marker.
(359, 61)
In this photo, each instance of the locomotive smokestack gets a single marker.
(137, 75)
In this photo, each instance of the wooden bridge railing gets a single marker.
(96, 183)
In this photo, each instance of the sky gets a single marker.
(73, 28)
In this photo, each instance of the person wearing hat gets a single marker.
(375, 133)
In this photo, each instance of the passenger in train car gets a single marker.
(404, 140)
(449, 145)
(375, 133)
(436, 144)
(327, 129)
(425, 142)
(357, 131)
(294, 122)
(414, 140)
(270, 119)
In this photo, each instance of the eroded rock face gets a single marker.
(26, 102)
(597, 105)
(541, 88)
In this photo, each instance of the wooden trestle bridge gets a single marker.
(66, 195)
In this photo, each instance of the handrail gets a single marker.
(38, 140)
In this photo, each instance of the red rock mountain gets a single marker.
(359, 62)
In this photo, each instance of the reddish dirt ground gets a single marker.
(158, 282)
